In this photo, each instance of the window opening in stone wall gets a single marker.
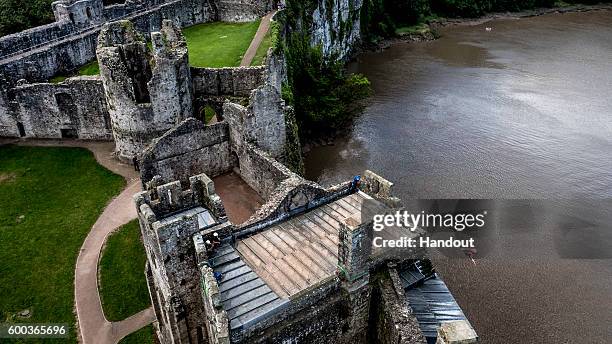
(21, 129)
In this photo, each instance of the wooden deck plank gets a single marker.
(290, 273)
(280, 245)
(325, 242)
(335, 206)
(268, 246)
(298, 253)
(300, 269)
(276, 279)
(325, 220)
(314, 219)
(355, 200)
(303, 248)
(345, 204)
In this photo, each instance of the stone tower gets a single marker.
(147, 92)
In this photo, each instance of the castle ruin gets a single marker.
(301, 267)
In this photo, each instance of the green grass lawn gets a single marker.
(91, 68)
(215, 44)
(49, 199)
(123, 286)
(142, 336)
(219, 44)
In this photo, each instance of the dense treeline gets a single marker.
(19, 15)
(381, 17)
(323, 94)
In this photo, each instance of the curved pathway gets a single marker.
(263, 28)
(94, 328)
(93, 325)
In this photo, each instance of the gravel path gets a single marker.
(264, 26)
(93, 325)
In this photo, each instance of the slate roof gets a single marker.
(430, 299)
(246, 297)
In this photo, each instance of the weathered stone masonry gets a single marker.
(147, 94)
(40, 53)
(146, 101)
(75, 108)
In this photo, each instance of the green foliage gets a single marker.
(375, 20)
(91, 68)
(18, 15)
(323, 94)
(380, 18)
(275, 36)
(123, 286)
(207, 113)
(49, 200)
(473, 8)
(262, 51)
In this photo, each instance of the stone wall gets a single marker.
(40, 64)
(67, 48)
(8, 116)
(82, 13)
(336, 26)
(270, 127)
(75, 108)
(229, 81)
(33, 37)
(391, 319)
(190, 148)
(147, 94)
(174, 279)
(244, 10)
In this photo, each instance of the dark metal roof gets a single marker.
(431, 301)
(244, 296)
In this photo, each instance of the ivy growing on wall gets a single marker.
(323, 94)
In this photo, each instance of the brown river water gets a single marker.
(521, 111)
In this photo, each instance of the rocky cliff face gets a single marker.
(336, 26)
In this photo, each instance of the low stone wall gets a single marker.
(187, 150)
(262, 172)
(33, 37)
(79, 48)
(318, 316)
(74, 108)
(391, 318)
(244, 10)
(8, 119)
(41, 64)
(230, 81)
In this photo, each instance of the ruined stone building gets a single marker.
(81, 107)
(301, 269)
(298, 266)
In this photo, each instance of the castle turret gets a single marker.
(147, 92)
(82, 13)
